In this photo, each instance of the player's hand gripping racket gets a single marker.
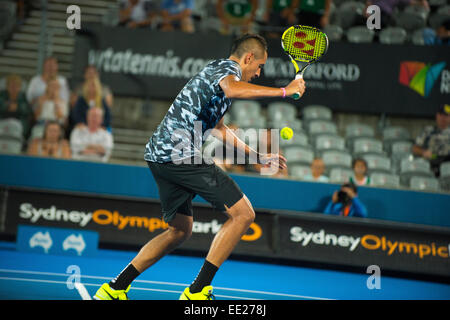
(303, 44)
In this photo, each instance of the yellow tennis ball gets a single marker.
(286, 133)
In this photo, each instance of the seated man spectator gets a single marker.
(91, 142)
(317, 171)
(137, 13)
(177, 15)
(360, 168)
(52, 144)
(440, 36)
(433, 143)
(38, 83)
(92, 97)
(345, 202)
(279, 15)
(50, 106)
(314, 13)
(237, 14)
(13, 103)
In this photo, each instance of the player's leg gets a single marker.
(215, 186)
(180, 229)
(241, 216)
(176, 203)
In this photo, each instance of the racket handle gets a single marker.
(297, 96)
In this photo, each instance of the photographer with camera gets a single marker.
(345, 202)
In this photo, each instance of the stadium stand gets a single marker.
(360, 34)
(387, 149)
(11, 138)
(393, 35)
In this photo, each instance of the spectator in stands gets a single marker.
(20, 11)
(317, 171)
(278, 15)
(315, 13)
(52, 144)
(360, 168)
(38, 83)
(345, 202)
(177, 15)
(13, 103)
(440, 36)
(387, 8)
(92, 97)
(50, 106)
(238, 15)
(90, 73)
(433, 143)
(92, 142)
(137, 13)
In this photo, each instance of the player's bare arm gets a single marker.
(223, 132)
(235, 88)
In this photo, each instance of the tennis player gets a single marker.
(205, 98)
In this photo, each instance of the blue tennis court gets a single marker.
(39, 276)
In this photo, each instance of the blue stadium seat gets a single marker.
(424, 183)
(299, 171)
(384, 180)
(340, 175)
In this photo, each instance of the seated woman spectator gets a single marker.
(317, 171)
(90, 73)
(52, 144)
(177, 15)
(13, 103)
(92, 97)
(345, 202)
(360, 177)
(38, 83)
(92, 142)
(50, 106)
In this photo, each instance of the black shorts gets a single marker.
(179, 183)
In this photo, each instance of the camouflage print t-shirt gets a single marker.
(436, 140)
(198, 107)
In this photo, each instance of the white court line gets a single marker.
(82, 291)
(169, 283)
(78, 285)
(86, 296)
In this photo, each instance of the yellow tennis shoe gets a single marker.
(205, 294)
(107, 293)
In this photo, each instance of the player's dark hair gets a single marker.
(246, 43)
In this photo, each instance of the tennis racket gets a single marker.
(303, 44)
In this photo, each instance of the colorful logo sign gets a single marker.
(420, 76)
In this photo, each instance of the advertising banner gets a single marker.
(363, 78)
(145, 63)
(369, 78)
(303, 237)
(391, 246)
(122, 222)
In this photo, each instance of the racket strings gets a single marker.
(304, 44)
